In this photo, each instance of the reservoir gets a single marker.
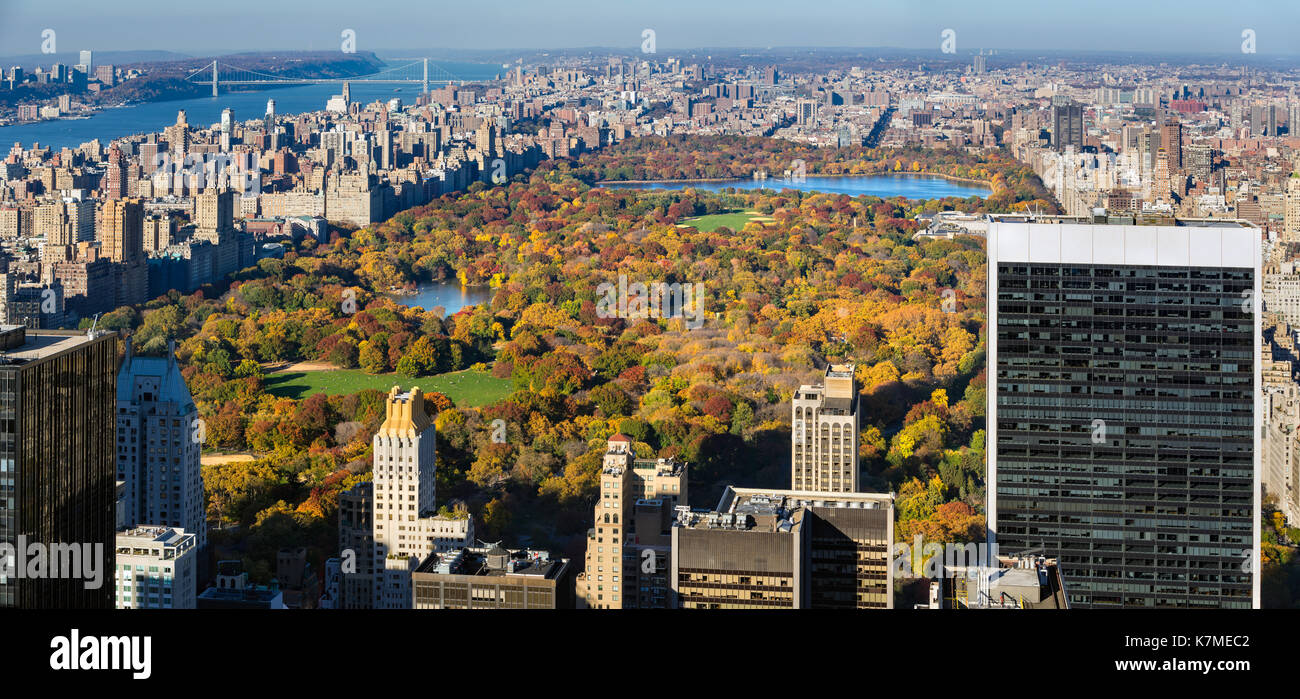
(883, 186)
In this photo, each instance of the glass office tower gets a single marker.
(1124, 370)
(57, 467)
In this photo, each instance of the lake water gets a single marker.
(111, 123)
(450, 295)
(884, 186)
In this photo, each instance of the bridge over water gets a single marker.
(415, 70)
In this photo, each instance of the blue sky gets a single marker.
(244, 25)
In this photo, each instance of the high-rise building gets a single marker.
(214, 215)
(824, 433)
(56, 447)
(785, 549)
(156, 568)
(159, 444)
(1067, 125)
(1123, 379)
(178, 138)
(356, 587)
(115, 175)
(122, 241)
(806, 112)
(227, 128)
(407, 524)
(1291, 212)
(88, 60)
(1171, 139)
(628, 548)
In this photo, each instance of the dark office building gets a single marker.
(493, 578)
(57, 468)
(1067, 125)
(1123, 374)
(357, 543)
(785, 549)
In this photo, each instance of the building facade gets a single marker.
(493, 578)
(1123, 377)
(824, 433)
(629, 546)
(157, 568)
(56, 461)
(785, 549)
(407, 524)
(159, 445)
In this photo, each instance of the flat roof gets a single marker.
(1189, 244)
(40, 344)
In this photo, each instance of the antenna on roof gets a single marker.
(93, 325)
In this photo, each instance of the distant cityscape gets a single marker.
(1140, 337)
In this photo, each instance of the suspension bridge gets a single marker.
(416, 70)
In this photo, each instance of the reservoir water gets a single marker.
(884, 186)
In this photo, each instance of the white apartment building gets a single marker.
(156, 568)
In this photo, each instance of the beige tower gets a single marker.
(824, 434)
(407, 527)
(1291, 222)
(629, 549)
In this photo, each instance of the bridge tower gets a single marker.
(214, 78)
(426, 77)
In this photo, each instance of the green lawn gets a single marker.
(465, 388)
(735, 220)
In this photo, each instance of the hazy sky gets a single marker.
(190, 26)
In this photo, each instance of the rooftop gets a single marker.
(493, 561)
(1217, 243)
(20, 345)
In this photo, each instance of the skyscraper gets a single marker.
(122, 241)
(1291, 210)
(1171, 139)
(407, 524)
(1123, 376)
(1067, 125)
(227, 128)
(356, 588)
(159, 444)
(56, 466)
(824, 433)
(628, 548)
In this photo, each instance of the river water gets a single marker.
(116, 122)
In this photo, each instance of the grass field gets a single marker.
(465, 388)
(735, 220)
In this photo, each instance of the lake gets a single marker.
(116, 122)
(884, 186)
(450, 295)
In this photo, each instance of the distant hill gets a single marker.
(30, 61)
